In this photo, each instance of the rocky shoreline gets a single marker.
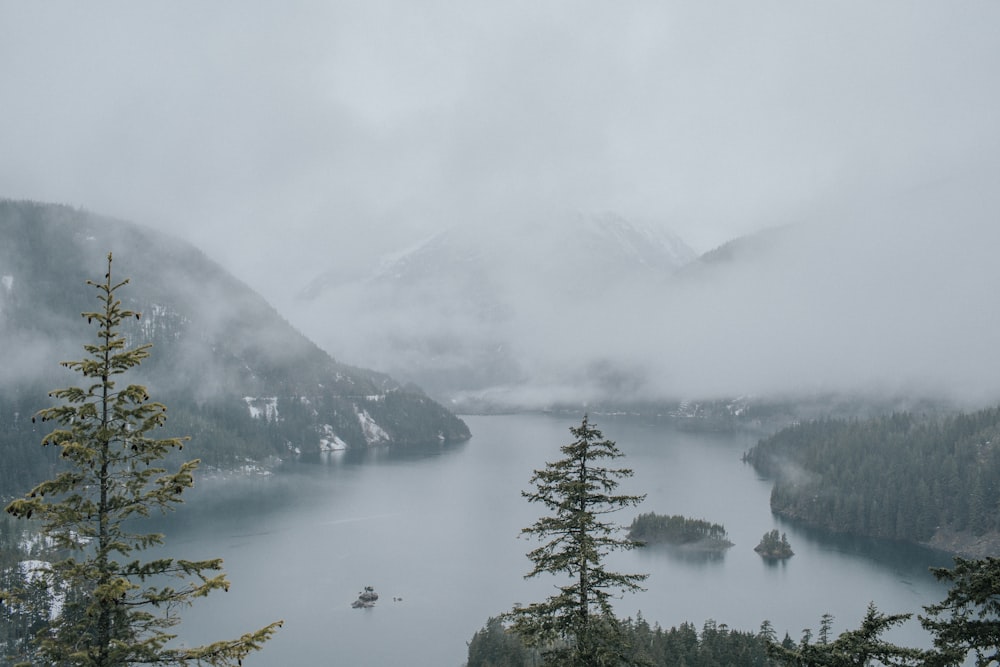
(965, 543)
(947, 540)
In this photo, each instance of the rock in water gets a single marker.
(366, 598)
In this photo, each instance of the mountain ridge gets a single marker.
(454, 311)
(883, 297)
(218, 347)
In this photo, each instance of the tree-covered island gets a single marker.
(774, 546)
(677, 530)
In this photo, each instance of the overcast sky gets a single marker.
(288, 138)
(276, 134)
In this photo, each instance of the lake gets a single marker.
(436, 532)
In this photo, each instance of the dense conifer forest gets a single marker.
(901, 476)
(682, 646)
(652, 528)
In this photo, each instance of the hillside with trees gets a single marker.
(901, 476)
(107, 606)
(237, 376)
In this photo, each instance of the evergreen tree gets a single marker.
(577, 626)
(825, 626)
(968, 619)
(118, 609)
(719, 646)
(854, 648)
(496, 646)
(27, 603)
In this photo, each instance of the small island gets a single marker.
(677, 530)
(774, 546)
(366, 598)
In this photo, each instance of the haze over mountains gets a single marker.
(892, 296)
(471, 309)
(888, 298)
(290, 143)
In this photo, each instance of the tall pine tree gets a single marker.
(118, 609)
(577, 626)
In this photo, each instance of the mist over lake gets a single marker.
(438, 527)
(345, 221)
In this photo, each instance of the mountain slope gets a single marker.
(470, 308)
(886, 297)
(235, 374)
(902, 476)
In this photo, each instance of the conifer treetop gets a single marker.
(118, 609)
(577, 625)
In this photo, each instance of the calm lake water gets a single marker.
(439, 528)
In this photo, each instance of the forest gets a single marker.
(652, 528)
(682, 646)
(900, 476)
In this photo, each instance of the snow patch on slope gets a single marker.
(39, 571)
(262, 408)
(329, 441)
(374, 434)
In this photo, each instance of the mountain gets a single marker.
(469, 310)
(234, 374)
(884, 299)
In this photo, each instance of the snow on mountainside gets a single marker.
(459, 311)
(641, 244)
(218, 345)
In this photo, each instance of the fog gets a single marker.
(288, 140)
(853, 301)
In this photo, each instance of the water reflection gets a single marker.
(374, 455)
(689, 555)
(898, 555)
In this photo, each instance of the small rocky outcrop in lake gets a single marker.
(366, 598)
(774, 546)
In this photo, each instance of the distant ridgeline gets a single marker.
(232, 373)
(678, 530)
(901, 476)
(762, 415)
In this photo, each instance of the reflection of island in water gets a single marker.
(691, 539)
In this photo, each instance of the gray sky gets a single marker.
(273, 134)
(284, 138)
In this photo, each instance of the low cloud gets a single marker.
(887, 297)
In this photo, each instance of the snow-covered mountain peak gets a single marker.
(646, 243)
